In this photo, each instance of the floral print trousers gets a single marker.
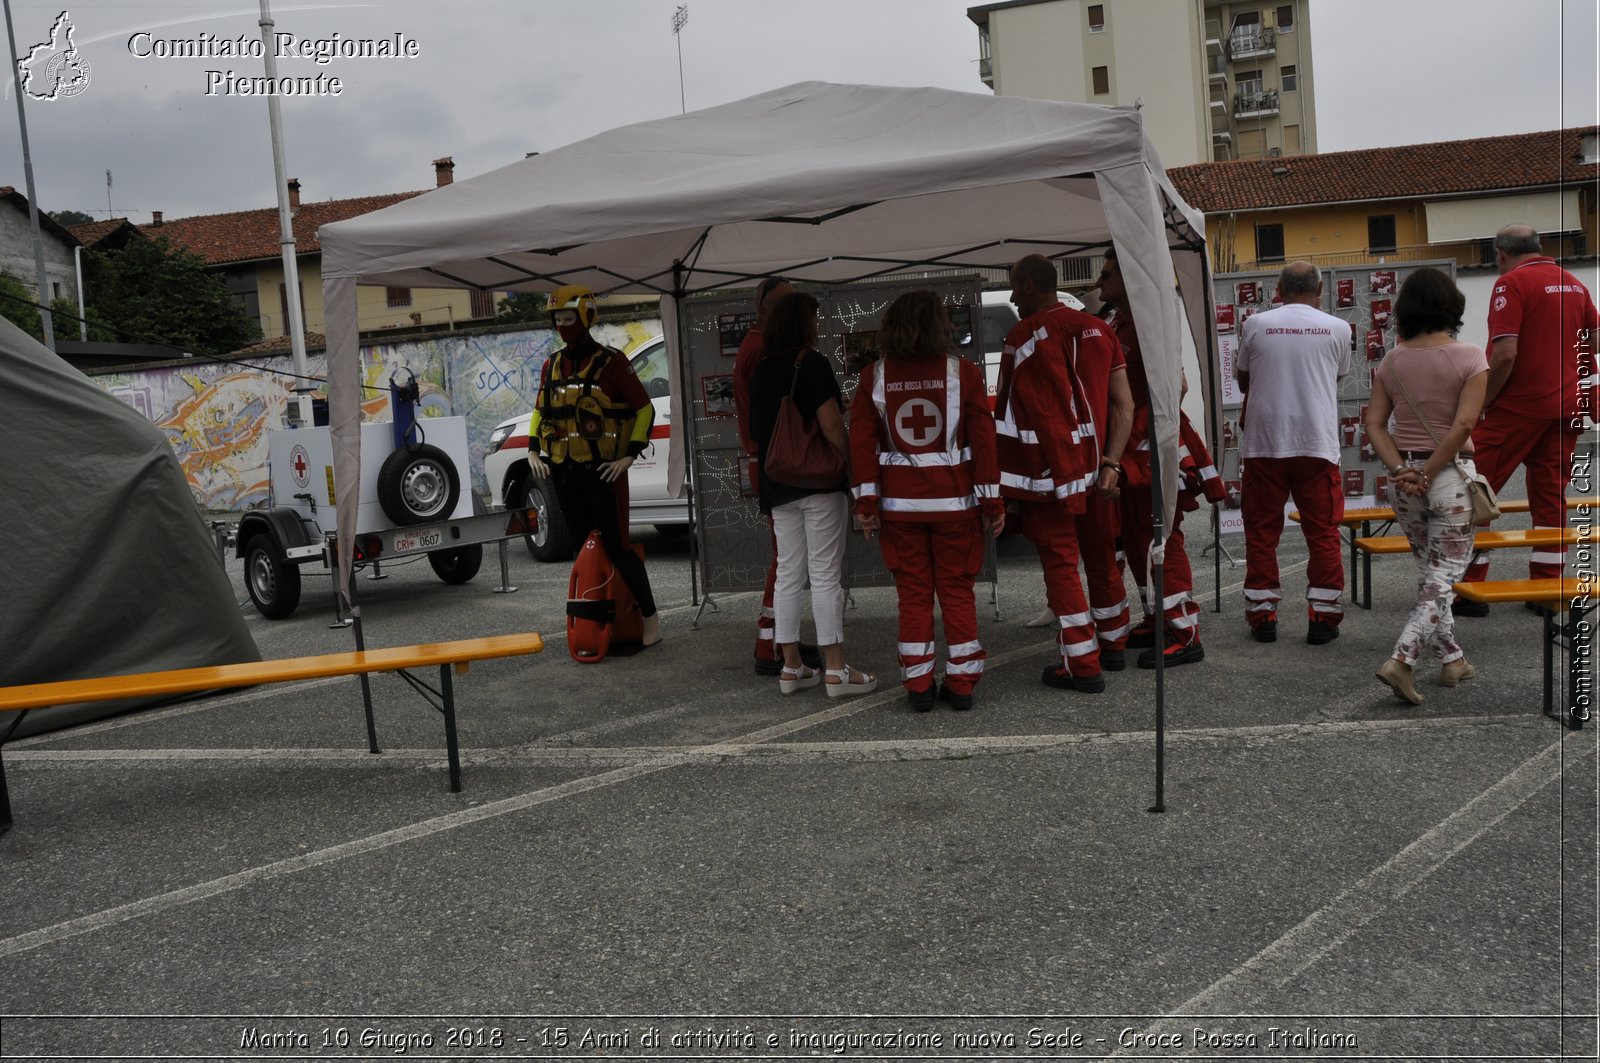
(1439, 529)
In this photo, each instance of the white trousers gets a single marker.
(811, 538)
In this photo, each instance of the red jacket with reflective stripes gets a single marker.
(922, 443)
(1044, 432)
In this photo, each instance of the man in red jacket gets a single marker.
(1196, 472)
(768, 661)
(1541, 354)
(1047, 449)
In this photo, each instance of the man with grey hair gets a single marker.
(1541, 356)
(1289, 363)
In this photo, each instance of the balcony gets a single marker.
(986, 71)
(1255, 104)
(1213, 37)
(1252, 42)
(1219, 104)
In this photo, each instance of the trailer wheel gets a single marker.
(550, 541)
(458, 565)
(418, 484)
(274, 584)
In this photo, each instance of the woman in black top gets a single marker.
(810, 524)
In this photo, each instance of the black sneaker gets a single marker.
(1266, 631)
(1061, 679)
(921, 700)
(1113, 660)
(959, 702)
(1143, 636)
(1462, 607)
(1174, 654)
(1321, 633)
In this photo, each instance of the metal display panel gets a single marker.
(735, 543)
(1362, 295)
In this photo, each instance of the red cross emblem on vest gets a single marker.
(919, 422)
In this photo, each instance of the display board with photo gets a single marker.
(1363, 296)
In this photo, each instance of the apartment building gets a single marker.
(1217, 79)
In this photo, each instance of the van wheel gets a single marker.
(549, 541)
(274, 585)
(458, 565)
(418, 484)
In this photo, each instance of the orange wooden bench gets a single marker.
(1570, 596)
(1364, 517)
(447, 656)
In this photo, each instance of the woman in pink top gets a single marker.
(1434, 387)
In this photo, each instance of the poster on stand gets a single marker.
(731, 329)
(1383, 282)
(1380, 314)
(717, 391)
(1247, 292)
(1347, 294)
(1224, 317)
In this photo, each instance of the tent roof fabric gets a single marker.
(827, 182)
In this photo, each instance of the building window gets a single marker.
(1102, 80)
(1285, 18)
(1269, 243)
(55, 289)
(1288, 78)
(1291, 140)
(398, 296)
(483, 304)
(1249, 83)
(1380, 233)
(1097, 18)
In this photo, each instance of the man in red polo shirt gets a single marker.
(767, 659)
(1541, 352)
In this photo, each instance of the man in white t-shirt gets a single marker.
(1289, 363)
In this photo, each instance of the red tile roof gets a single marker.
(250, 235)
(1454, 167)
(90, 233)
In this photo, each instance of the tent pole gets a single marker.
(684, 411)
(366, 680)
(1213, 423)
(1158, 589)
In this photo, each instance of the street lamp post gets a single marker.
(680, 18)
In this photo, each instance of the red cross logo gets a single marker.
(919, 422)
(300, 465)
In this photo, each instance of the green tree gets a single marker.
(16, 306)
(70, 217)
(149, 291)
(523, 306)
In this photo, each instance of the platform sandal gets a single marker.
(844, 688)
(794, 680)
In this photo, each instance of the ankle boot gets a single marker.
(1397, 676)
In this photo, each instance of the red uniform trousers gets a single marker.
(1053, 531)
(1318, 494)
(928, 558)
(1502, 441)
(1179, 607)
(1102, 570)
(766, 648)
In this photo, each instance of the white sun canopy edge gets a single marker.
(818, 182)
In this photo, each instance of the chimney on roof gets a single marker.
(443, 171)
(155, 217)
(294, 193)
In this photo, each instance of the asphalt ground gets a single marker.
(659, 856)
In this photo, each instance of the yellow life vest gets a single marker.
(578, 421)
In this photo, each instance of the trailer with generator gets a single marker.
(414, 501)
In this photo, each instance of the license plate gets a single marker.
(422, 541)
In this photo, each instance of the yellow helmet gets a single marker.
(575, 297)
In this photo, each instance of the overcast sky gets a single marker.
(495, 79)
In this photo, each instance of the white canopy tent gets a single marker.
(818, 182)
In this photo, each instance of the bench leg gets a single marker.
(447, 696)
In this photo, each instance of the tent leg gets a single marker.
(1158, 587)
(366, 680)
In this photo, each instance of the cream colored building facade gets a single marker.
(1217, 79)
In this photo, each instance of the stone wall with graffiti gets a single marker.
(217, 415)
